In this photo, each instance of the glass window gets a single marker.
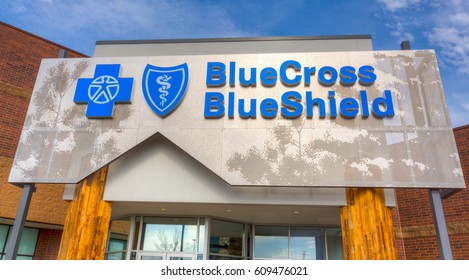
(19, 257)
(271, 242)
(3, 239)
(225, 258)
(170, 234)
(28, 242)
(226, 238)
(151, 258)
(115, 256)
(185, 238)
(118, 237)
(335, 250)
(306, 243)
(117, 244)
(287, 242)
(27, 246)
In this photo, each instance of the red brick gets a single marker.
(20, 57)
(48, 244)
(414, 210)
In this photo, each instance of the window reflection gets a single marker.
(306, 243)
(27, 246)
(119, 231)
(271, 242)
(170, 234)
(226, 238)
(185, 238)
(283, 242)
(151, 258)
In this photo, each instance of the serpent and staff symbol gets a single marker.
(164, 86)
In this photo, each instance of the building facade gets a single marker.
(21, 54)
(188, 221)
(413, 219)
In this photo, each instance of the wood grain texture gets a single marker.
(367, 229)
(87, 221)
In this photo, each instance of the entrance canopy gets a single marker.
(342, 119)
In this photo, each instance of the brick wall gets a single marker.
(20, 57)
(400, 246)
(414, 222)
(48, 244)
(47, 205)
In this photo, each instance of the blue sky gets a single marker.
(442, 25)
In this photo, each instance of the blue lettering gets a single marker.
(332, 104)
(251, 82)
(291, 100)
(214, 105)
(386, 101)
(283, 72)
(308, 72)
(348, 107)
(329, 71)
(269, 108)
(231, 102)
(347, 76)
(268, 77)
(364, 104)
(310, 102)
(232, 73)
(215, 74)
(242, 112)
(366, 75)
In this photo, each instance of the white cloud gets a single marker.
(400, 32)
(85, 20)
(458, 106)
(398, 23)
(445, 26)
(460, 19)
(393, 5)
(453, 43)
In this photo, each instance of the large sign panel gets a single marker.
(339, 119)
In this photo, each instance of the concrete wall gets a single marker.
(158, 171)
(233, 46)
(204, 187)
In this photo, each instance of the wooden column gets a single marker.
(367, 230)
(87, 221)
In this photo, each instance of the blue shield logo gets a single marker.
(164, 87)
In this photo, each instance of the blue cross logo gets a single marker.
(103, 91)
